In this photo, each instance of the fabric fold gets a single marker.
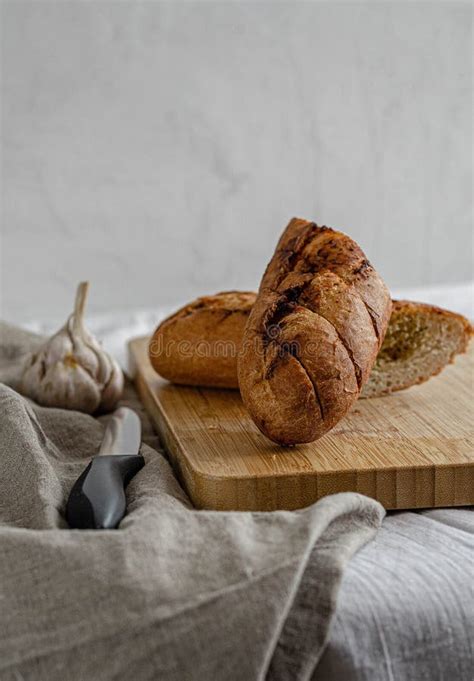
(174, 593)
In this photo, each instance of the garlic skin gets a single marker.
(71, 370)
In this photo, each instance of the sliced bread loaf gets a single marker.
(199, 344)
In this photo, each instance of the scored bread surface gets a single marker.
(313, 334)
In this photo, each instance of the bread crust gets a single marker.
(199, 344)
(313, 334)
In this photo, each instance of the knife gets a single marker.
(97, 499)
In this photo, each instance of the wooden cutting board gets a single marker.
(412, 449)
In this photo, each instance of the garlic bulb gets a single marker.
(71, 370)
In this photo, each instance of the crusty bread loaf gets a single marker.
(199, 344)
(420, 341)
(313, 334)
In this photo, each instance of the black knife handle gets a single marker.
(97, 500)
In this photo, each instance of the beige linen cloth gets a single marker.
(174, 594)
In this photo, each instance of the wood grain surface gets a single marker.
(412, 449)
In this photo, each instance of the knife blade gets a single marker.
(97, 499)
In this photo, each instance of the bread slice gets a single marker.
(420, 341)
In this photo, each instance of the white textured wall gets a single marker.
(159, 148)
